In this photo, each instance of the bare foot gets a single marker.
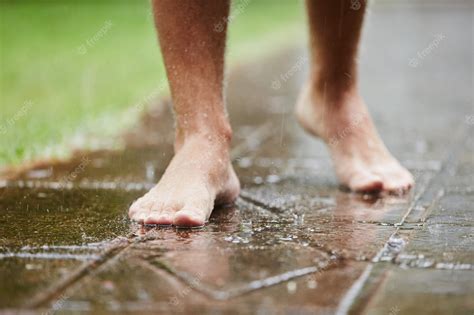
(362, 161)
(199, 176)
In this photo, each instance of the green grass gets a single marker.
(53, 96)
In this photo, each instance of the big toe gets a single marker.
(366, 182)
(139, 215)
(139, 211)
(189, 217)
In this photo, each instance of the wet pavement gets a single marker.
(294, 242)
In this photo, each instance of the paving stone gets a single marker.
(23, 278)
(415, 291)
(128, 285)
(295, 242)
(47, 235)
(319, 293)
(446, 238)
(244, 255)
(33, 218)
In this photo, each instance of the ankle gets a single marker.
(333, 88)
(324, 114)
(333, 96)
(215, 137)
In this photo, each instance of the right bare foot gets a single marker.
(199, 176)
(361, 159)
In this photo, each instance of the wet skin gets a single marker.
(201, 175)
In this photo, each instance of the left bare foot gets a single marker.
(199, 176)
(361, 159)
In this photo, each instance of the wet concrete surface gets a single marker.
(294, 242)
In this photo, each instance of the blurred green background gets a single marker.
(72, 70)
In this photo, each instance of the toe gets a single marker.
(136, 212)
(134, 208)
(398, 182)
(366, 183)
(140, 205)
(396, 187)
(140, 215)
(189, 217)
(160, 217)
(156, 217)
(409, 180)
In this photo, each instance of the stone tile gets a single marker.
(250, 250)
(319, 293)
(48, 235)
(350, 227)
(244, 255)
(22, 278)
(128, 285)
(33, 218)
(424, 291)
(446, 239)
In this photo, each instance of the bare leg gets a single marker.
(330, 105)
(200, 173)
